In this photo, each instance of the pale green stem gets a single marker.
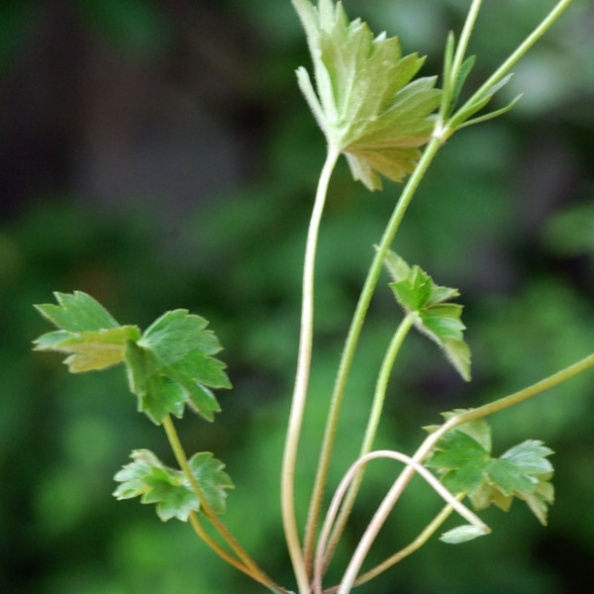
(427, 446)
(249, 566)
(411, 464)
(371, 431)
(302, 379)
(352, 341)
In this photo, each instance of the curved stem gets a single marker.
(427, 446)
(371, 431)
(455, 503)
(249, 564)
(353, 339)
(415, 545)
(302, 379)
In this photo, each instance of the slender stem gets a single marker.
(411, 464)
(415, 545)
(519, 53)
(464, 40)
(353, 339)
(427, 446)
(214, 545)
(302, 379)
(250, 565)
(371, 431)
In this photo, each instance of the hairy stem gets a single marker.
(249, 565)
(302, 379)
(353, 339)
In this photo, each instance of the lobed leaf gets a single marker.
(172, 366)
(463, 458)
(364, 100)
(169, 366)
(416, 292)
(148, 478)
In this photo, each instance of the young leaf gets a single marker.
(463, 457)
(147, 477)
(416, 292)
(172, 365)
(364, 100)
(88, 333)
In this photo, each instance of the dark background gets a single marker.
(159, 155)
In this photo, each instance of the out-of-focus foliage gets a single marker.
(503, 215)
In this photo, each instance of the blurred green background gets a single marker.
(159, 155)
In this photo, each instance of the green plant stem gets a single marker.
(371, 431)
(302, 378)
(352, 341)
(249, 565)
(415, 545)
(427, 446)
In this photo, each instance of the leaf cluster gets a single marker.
(148, 478)
(365, 103)
(464, 459)
(433, 314)
(170, 365)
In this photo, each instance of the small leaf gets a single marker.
(416, 292)
(465, 70)
(462, 534)
(148, 478)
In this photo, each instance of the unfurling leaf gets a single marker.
(463, 458)
(432, 313)
(147, 477)
(169, 366)
(364, 100)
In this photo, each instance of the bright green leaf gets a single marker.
(148, 478)
(172, 365)
(364, 100)
(463, 458)
(416, 292)
(78, 312)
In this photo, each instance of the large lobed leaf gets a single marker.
(433, 315)
(364, 99)
(463, 458)
(169, 366)
(148, 478)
